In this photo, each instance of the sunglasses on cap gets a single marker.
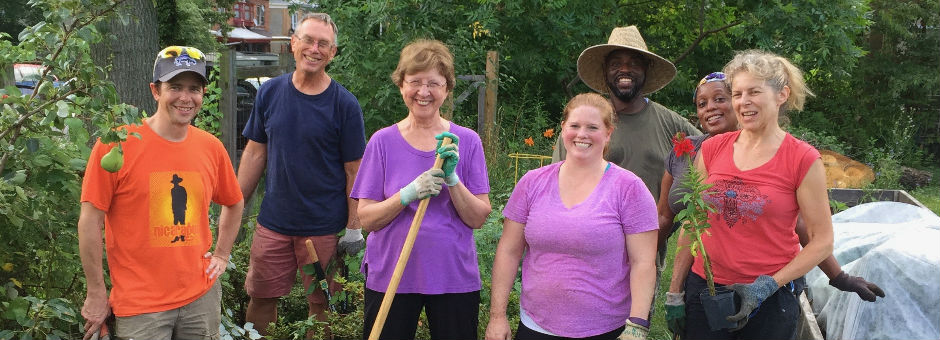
(176, 51)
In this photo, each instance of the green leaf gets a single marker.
(308, 269)
(17, 309)
(78, 164)
(62, 108)
(32, 145)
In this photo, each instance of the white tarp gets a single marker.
(896, 246)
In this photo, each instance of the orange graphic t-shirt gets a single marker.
(157, 216)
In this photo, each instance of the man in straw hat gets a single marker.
(627, 72)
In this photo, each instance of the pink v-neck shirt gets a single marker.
(575, 272)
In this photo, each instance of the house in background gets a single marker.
(281, 22)
(251, 29)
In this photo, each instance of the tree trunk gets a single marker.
(131, 53)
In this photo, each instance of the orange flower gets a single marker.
(549, 133)
(529, 141)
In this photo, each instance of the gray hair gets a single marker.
(324, 18)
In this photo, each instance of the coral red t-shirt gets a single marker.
(157, 216)
(753, 232)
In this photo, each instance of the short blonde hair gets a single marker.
(775, 71)
(423, 55)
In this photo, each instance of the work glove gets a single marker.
(634, 330)
(351, 242)
(450, 154)
(427, 184)
(675, 312)
(751, 296)
(865, 290)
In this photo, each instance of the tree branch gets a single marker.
(701, 37)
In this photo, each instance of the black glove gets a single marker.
(865, 290)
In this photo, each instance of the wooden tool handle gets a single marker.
(313, 252)
(403, 258)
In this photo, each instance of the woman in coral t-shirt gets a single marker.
(763, 179)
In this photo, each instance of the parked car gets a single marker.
(26, 76)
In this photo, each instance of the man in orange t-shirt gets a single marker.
(155, 213)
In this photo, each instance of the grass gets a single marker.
(658, 327)
(930, 195)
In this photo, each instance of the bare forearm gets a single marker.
(642, 288)
(250, 168)
(681, 264)
(375, 215)
(809, 257)
(229, 220)
(505, 267)
(641, 250)
(829, 265)
(352, 169)
(472, 209)
(90, 250)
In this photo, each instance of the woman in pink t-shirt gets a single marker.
(587, 229)
(763, 180)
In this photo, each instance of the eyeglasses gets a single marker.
(176, 51)
(321, 44)
(432, 85)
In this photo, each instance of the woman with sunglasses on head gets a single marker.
(713, 104)
(441, 276)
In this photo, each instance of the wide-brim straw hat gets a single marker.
(591, 62)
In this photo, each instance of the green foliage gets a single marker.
(893, 88)
(694, 217)
(835, 206)
(44, 138)
(210, 119)
(187, 22)
(818, 139)
(15, 15)
(32, 317)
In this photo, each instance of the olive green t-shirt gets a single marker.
(641, 142)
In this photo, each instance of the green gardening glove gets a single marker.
(450, 154)
(675, 312)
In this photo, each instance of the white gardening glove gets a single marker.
(427, 184)
(634, 330)
(351, 242)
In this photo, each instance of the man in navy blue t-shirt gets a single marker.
(307, 131)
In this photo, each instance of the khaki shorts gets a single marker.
(199, 319)
(276, 259)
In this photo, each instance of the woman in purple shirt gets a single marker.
(441, 275)
(587, 229)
